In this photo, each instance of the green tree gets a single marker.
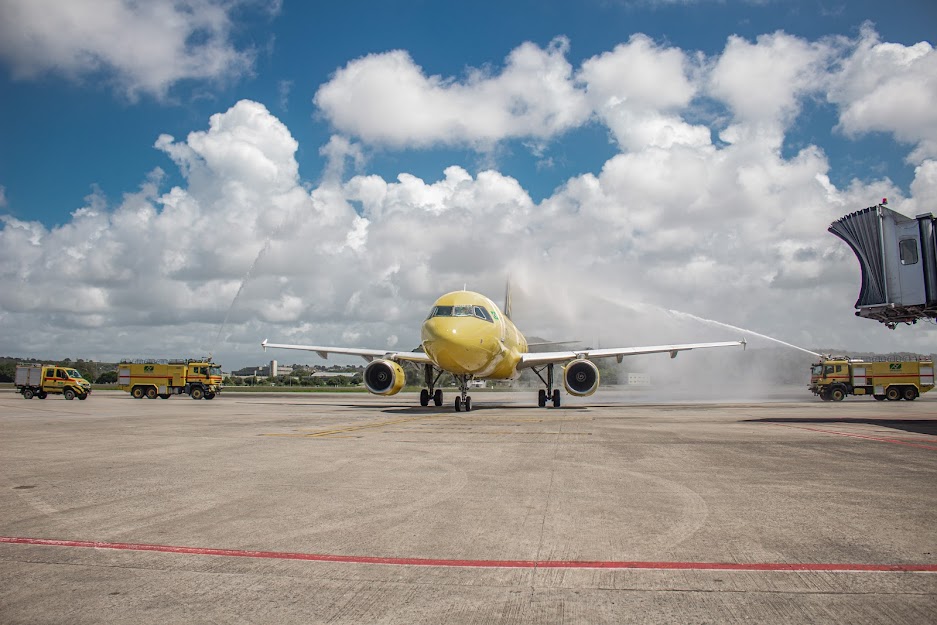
(108, 377)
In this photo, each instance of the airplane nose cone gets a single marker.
(454, 346)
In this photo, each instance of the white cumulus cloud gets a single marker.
(889, 87)
(387, 99)
(141, 47)
(734, 231)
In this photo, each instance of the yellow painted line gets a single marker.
(353, 428)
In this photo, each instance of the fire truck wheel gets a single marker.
(83, 397)
(42, 394)
(137, 392)
(837, 394)
(27, 393)
(69, 394)
(825, 395)
(892, 393)
(209, 395)
(910, 393)
(196, 393)
(164, 395)
(879, 397)
(151, 393)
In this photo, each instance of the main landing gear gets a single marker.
(428, 393)
(549, 393)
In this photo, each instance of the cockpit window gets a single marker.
(461, 311)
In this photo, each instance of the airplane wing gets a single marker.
(367, 354)
(536, 359)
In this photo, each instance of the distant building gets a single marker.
(267, 371)
(335, 374)
(638, 379)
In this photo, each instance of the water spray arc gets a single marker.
(677, 313)
(247, 276)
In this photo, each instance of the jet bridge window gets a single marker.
(907, 249)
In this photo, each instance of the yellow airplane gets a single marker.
(466, 335)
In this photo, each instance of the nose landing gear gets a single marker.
(463, 401)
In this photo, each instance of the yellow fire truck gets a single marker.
(198, 379)
(835, 377)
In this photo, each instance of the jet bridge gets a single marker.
(898, 258)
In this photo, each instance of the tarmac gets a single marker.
(349, 508)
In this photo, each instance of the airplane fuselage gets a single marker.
(466, 334)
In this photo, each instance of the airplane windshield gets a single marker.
(461, 311)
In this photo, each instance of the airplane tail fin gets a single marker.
(507, 299)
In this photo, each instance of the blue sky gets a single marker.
(83, 134)
(320, 164)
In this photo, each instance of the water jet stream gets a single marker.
(732, 327)
(244, 280)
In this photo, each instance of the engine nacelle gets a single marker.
(581, 377)
(384, 377)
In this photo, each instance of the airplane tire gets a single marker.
(542, 398)
(437, 397)
(910, 393)
(424, 397)
(556, 398)
(468, 404)
(458, 404)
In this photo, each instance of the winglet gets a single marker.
(744, 344)
(264, 344)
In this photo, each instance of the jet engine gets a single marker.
(384, 377)
(581, 377)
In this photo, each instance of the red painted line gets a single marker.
(502, 564)
(879, 439)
